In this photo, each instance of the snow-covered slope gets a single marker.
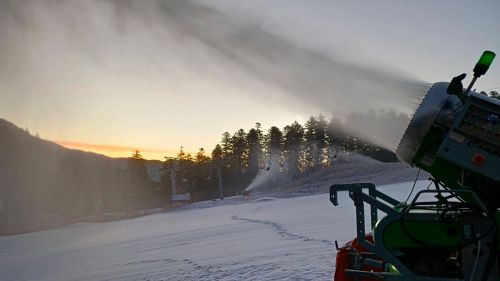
(262, 238)
(376, 172)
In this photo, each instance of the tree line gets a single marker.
(290, 152)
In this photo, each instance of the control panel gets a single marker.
(481, 123)
(473, 141)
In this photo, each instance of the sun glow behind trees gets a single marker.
(118, 151)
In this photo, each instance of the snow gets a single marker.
(264, 238)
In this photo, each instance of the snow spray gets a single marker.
(268, 176)
(261, 177)
(189, 41)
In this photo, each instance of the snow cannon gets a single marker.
(449, 231)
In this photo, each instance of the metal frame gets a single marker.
(379, 201)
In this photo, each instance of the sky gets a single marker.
(114, 76)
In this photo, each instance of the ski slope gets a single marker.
(255, 238)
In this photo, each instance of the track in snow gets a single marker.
(282, 231)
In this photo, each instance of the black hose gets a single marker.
(493, 253)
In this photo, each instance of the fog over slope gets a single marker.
(41, 181)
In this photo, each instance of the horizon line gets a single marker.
(117, 151)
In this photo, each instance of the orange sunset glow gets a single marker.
(119, 151)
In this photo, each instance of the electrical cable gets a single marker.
(473, 272)
(413, 187)
(452, 194)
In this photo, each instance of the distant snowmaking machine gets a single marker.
(449, 231)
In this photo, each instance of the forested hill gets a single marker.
(41, 181)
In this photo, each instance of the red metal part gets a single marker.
(343, 260)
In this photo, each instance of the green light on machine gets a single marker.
(484, 63)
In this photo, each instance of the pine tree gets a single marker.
(139, 182)
(240, 149)
(167, 176)
(254, 142)
(292, 146)
(334, 139)
(226, 145)
(201, 157)
(184, 170)
(275, 142)
(321, 140)
(137, 165)
(217, 152)
(217, 159)
(181, 155)
(311, 149)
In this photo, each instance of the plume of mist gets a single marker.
(344, 157)
(274, 177)
(50, 46)
(261, 178)
(270, 176)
